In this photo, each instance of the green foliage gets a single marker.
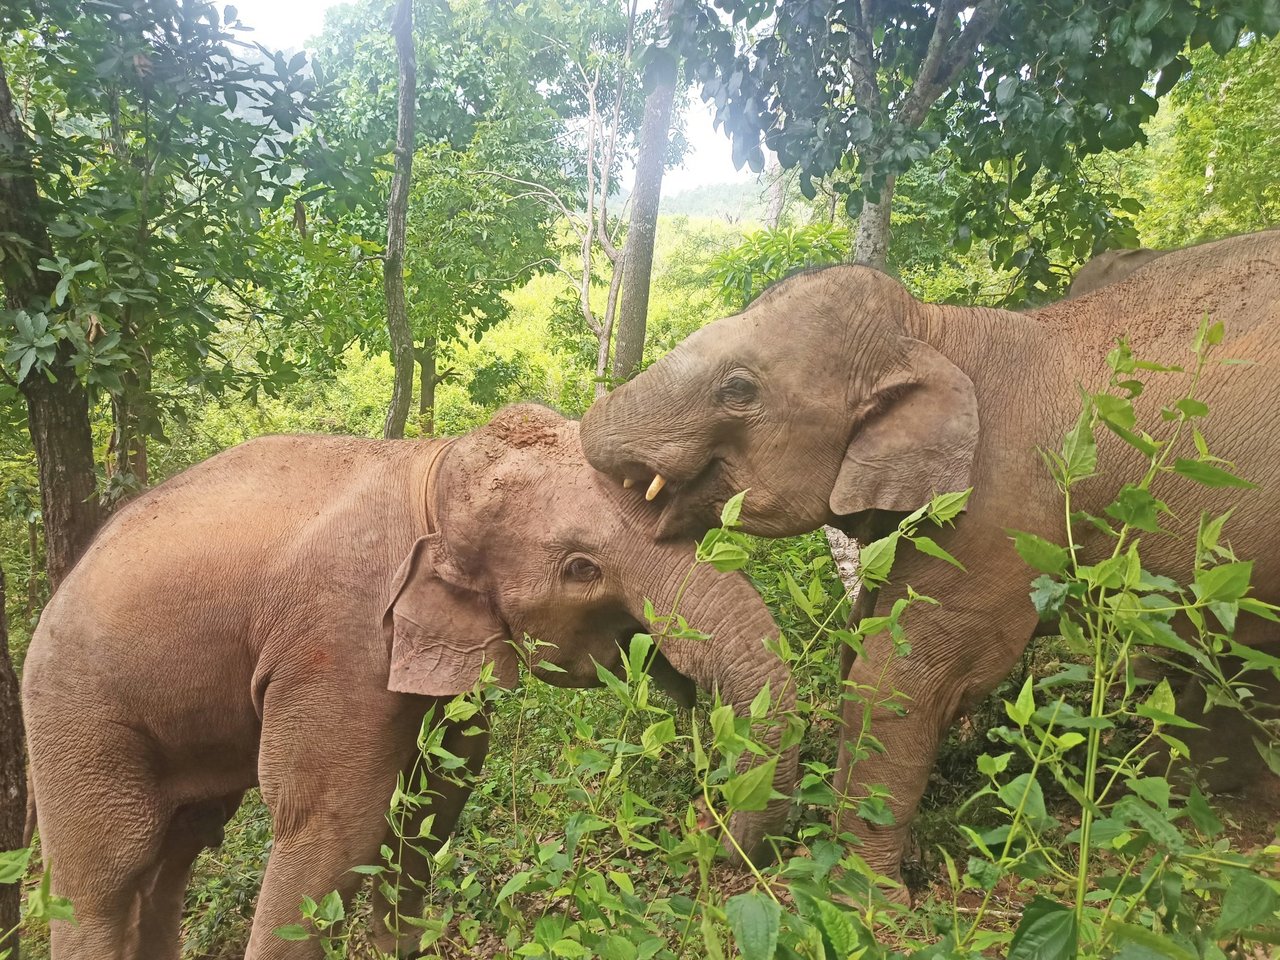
(160, 142)
(1020, 93)
(1205, 172)
(766, 256)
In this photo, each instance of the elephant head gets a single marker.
(534, 555)
(817, 398)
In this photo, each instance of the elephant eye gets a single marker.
(581, 569)
(738, 390)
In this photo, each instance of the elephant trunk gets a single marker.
(736, 662)
(621, 435)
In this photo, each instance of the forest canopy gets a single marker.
(204, 239)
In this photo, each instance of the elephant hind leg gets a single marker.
(101, 833)
(162, 892)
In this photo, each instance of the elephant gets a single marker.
(838, 398)
(1110, 266)
(285, 614)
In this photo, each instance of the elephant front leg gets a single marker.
(327, 769)
(448, 792)
(898, 708)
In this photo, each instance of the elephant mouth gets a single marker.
(687, 505)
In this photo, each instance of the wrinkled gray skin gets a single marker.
(284, 615)
(1109, 267)
(838, 398)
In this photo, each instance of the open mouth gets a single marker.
(685, 504)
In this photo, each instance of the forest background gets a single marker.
(214, 229)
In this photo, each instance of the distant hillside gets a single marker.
(731, 202)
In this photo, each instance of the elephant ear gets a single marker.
(442, 632)
(915, 438)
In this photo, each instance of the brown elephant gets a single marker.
(285, 613)
(838, 398)
(1110, 266)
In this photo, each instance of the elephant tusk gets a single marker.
(656, 487)
(627, 483)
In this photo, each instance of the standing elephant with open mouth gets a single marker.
(285, 614)
(837, 398)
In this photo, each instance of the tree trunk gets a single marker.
(58, 415)
(13, 781)
(33, 571)
(397, 211)
(129, 437)
(427, 387)
(777, 195)
(872, 243)
(58, 410)
(655, 130)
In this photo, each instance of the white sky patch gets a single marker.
(290, 24)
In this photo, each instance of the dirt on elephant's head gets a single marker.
(527, 425)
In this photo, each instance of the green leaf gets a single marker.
(876, 810)
(293, 931)
(1115, 411)
(1137, 507)
(658, 735)
(751, 791)
(1202, 814)
(1047, 931)
(1148, 943)
(945, 507)
(1210, 475)
(875, 560)
(723, 550)
(515, 883)
(1047, 596)
(1249, 901)
(984, 873)
(1039, 553)
(760, 702)
(1226, 582)
(798, 595)
(331, 907)
(841, 928)
(1079, 451)
(928, 546)
(1162, 697)
(1020, 711)
(13, 865)
(732, 510)
(1025, 791)
(754, 919)
(990, 766)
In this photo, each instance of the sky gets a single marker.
(289, 24)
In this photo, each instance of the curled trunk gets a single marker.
(736, 662)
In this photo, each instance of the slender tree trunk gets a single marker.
(871, 245)
(777, 195)
(655, 129)
(427, 387)
(33, 571)
(129, 437)
(605, 337)
(397, 211)
(57, 410)
(13, 780)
